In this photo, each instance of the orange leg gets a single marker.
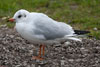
(39, 56)
(43, 49)
(40, 51)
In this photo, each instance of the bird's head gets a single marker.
(20, 16)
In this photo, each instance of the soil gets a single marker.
(17, 52)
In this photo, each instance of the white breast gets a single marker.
(26, 31)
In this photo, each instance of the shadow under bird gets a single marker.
(40, 29)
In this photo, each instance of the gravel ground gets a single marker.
(17, 52)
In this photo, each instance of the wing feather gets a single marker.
(51, 29)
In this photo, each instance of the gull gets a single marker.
(40, 29)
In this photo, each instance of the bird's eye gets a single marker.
(19, 16)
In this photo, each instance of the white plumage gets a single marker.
(39, 28)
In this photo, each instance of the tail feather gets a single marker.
(75, 39)
(80, 32)
(72, 38)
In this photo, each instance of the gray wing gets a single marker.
(51, 29)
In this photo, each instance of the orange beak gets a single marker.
(11, 20)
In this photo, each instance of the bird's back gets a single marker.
(50, 28)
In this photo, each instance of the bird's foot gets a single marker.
(37, 58)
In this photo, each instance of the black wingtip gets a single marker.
(80, 32)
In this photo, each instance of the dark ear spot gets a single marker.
(24, 15)
(19, 16)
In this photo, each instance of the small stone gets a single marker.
(57, 45)
(4, 25)
(33, 65)
(67, 43)
(24, 63)
(4, 18)
(95, 29)
(71, 60)
(17, 65)
(82, 48)
(78, 60)
(62, 57)
(62, 62)
(11, 36)
(30, 52)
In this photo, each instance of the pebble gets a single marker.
(71, 60)
(67, 43)
(95, 28)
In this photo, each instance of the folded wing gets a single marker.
(51, 29)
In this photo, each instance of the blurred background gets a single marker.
(81, 14)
